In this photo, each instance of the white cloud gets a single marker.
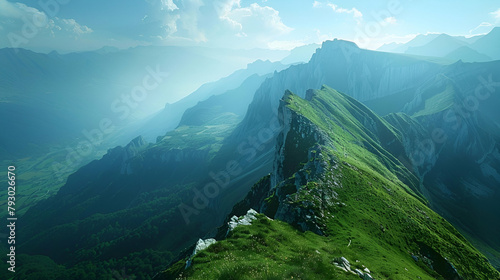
(169, 5)
(219, 22)
(390, 20)
(224, 9)
(496, 14)
(12, 10)
(28, 27)
(227, 23)
(358, 16)
(252, 26)
(251, 19)
(256, 19)
(169, 22)
(72, 26)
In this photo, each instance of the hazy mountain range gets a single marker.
(66, 110)
(473, 49)
(361, 164)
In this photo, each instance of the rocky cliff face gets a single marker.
(293, 144)
(362, 74)
(298, 160)
(366, 75)
(303, 156)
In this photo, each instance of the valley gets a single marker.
(331, 161)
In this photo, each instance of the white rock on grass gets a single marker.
(343, 264)
(200, 246)
(235, 221)
(359, 272)
(243, 220)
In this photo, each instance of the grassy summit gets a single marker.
(343, 178)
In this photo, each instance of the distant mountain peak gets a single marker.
(137, 142)
(338, 43)
(259, 63)
(300, 54)
(333, 47)
(54, 53)
(495, 31)
(107, 49)
(389, 47)
(443, 35)
(489, 44)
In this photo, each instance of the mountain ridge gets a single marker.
(309, 196)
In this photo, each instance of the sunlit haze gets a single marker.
(269, 24)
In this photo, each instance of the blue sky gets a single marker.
(76, 25)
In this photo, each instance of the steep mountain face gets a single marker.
(457, 157)
(439, 46)
(333, 177)
(467, 54)
(364, 75)
(489, 44)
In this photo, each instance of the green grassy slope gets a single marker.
(355, 198)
